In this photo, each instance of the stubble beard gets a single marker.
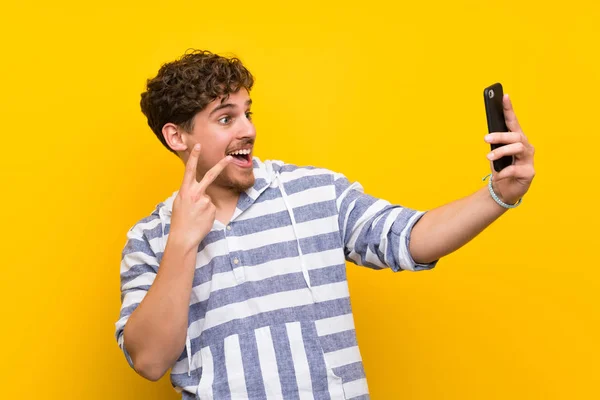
(238, 184)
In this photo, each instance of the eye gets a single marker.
(249, 115)
(225, 120)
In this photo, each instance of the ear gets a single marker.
(174, 137)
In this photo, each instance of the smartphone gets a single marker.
(494, 112)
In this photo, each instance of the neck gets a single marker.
(225, 200)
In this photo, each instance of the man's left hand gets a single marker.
(514, 181)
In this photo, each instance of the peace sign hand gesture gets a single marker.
(193, 211)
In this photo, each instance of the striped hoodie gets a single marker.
(270, 314)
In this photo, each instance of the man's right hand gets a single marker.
(193, 211)
(155, 333)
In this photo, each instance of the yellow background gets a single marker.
(389, 94)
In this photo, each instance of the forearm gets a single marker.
(155, 333)
(447, 228)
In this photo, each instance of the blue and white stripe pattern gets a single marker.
(270, 314)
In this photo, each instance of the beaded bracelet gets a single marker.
(496, 198)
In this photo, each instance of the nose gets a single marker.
(247, 129)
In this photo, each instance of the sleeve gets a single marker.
(375, 233)
(139, 266)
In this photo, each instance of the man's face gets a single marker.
(223, 128)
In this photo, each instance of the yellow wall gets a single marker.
(391, 95)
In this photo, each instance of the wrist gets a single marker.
(511, 203)
(506, 200)
(181, 243)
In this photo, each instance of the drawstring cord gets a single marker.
(188, 350)
(301, 255)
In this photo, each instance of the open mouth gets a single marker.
(242, 158)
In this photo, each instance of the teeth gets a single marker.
(240, 152)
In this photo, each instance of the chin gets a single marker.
(243, 186)
(240, 183)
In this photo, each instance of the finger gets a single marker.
(509, 115)
(503, 137)
(514, 149)
(213, 173)
(189, 177)
(526, 172)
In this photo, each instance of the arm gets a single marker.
(153, 326)
(374, 232)
(155, 332)
(447, 228)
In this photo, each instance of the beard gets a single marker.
(237, 182)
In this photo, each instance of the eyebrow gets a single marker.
(228, 105)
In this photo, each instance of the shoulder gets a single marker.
(300, 175)
(152, 227)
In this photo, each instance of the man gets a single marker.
(237, 281)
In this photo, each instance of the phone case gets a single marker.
(494, 111)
